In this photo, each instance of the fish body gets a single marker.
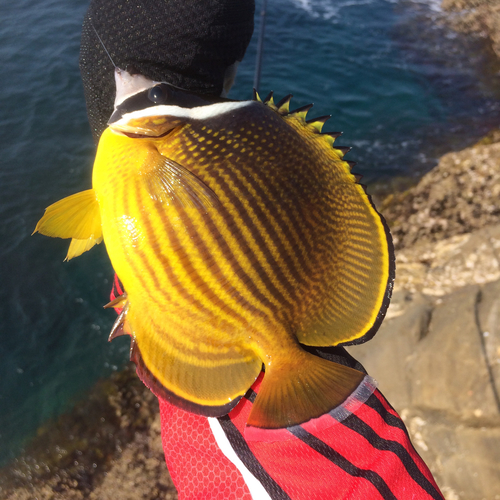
(238, 233)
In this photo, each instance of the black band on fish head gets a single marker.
(161, 94)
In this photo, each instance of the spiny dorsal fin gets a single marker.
(330, 137)
(318, 123)
(343, 150)
(302, 111)
(256, 96)
(284, 105)
(269, 98)
(333, 135)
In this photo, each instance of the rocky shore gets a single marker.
(436, 356)
(476, 17)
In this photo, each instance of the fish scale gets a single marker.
(238, 232)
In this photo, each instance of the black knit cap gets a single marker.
(187, 43)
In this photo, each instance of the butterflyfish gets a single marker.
(239, 233)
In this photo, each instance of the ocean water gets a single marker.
(401, 87)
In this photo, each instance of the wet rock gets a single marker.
(108, 445)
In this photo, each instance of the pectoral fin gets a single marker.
(76, 217)
(169, 182)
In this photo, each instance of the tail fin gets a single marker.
(298, 390)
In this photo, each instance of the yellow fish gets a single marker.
(238, 232)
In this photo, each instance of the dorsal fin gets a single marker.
(318, 123)
(302, 111)
(269, 98)
(284, 105)
(256, 96)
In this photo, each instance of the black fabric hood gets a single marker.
(187, 43)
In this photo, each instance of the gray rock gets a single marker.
(464, 459)
(459, 196)
(440, 268)
(438, 361)
(449, 371)
(387, 355)
(489, 324)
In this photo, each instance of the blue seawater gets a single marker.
(399, 85)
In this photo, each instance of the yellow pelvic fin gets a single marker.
(300, 389)
(169, 182)
(77, 217)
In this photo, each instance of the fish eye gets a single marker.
(157, 94)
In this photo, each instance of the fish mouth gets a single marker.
(144, 127)
(134, 135)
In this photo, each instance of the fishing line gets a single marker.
(102, 43)
(260, 47)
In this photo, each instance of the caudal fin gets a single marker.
(298, 390)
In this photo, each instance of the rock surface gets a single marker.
(107, 447)
(438, 363)
(478, 17)
(460, 195)
(437, 354)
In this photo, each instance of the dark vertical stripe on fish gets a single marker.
(164, 263)
(237, 269)
(266, 220)
(271, 262)
(213, 267)
(193, 275)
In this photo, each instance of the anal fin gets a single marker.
(300, 389)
